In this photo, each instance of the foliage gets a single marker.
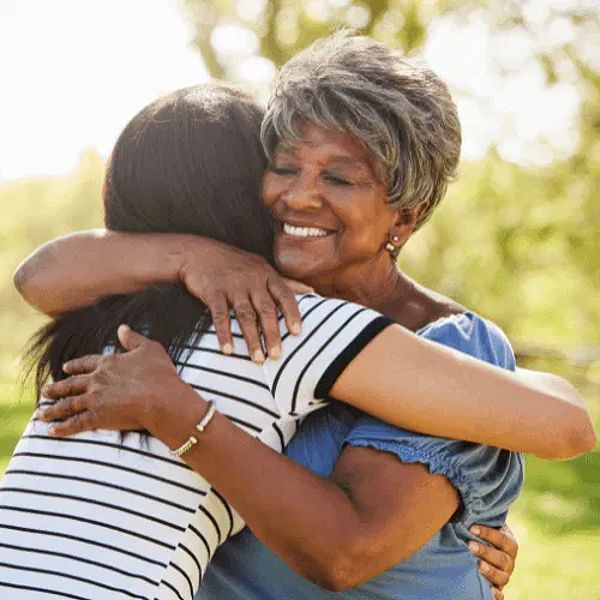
(34, 211)
(517, 244)
(277, 29)
(505, 232)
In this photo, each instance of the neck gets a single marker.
(376, 285)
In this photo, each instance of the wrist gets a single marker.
(173, 421)
(190, 250)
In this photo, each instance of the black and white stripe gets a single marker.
(96, 516)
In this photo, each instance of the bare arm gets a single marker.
(399, 377)
(104, 262)
(425, 387)
(354, 534)
(343, 534)
(77, 269)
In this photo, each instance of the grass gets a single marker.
(14, 413)
(556, 520)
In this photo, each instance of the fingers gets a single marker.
(63, 409)
(83, 421)
(130, 340)
(85, 364)
(498, 594)
(512, 546)
(496, 577)
(495, 563)
(284, 297)
(71, 386)
(269, 321)
(257, 308)
(219, 310)
(501, 538)
(247, 319)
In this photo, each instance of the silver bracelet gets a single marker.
(200, 427)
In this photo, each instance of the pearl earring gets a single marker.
(391, 246)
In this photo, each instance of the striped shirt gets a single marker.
(99, 515)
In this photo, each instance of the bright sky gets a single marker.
(74, 72)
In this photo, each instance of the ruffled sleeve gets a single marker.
(488, 479)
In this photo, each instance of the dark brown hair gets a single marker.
(190, 162)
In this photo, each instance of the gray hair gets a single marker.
(401, 112)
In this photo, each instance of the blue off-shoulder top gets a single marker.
(488, 480)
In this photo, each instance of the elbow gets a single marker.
(25, 282)
(578, 437)
(582, 438)
(334, 577)
(574, 431)
(28, 281)
(341, 570)
(21, 279)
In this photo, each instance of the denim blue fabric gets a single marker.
(487, 479)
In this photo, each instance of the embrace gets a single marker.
(241, 397)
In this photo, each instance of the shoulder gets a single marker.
(325, 320)
(333, 332)
(472, 334)
(309, 303)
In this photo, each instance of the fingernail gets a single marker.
(475, 530)
(474, 547)
(484, 567)
(52, 430)
(258, 357)
(65, 367)
(227, 349)
(275, 353)
(45, 389)
(295, 328)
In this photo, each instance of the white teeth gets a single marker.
(304, 232)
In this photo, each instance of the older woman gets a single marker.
(362, 145)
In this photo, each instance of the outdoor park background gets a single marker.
(517, 238)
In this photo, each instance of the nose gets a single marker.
(302, 195)
(302, 201)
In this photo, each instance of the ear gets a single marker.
(405, 223)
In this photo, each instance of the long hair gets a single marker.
(190, 162)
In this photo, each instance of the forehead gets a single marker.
(321, 142)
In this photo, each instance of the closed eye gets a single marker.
(284, 171)
(335, 180)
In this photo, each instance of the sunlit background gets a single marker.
(518, 238)
(73, 73)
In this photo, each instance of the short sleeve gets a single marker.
(333, 333)
(488, 479)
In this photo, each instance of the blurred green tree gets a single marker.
(520, 244)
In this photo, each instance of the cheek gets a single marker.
(366, 226)
(272, 188)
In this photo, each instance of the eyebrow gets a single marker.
(336, 158)
(284, 149)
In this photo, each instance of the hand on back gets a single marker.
(225, 277)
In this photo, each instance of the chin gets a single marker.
(294, 267)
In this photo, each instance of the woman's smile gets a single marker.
(329, 202)
(304, 232)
